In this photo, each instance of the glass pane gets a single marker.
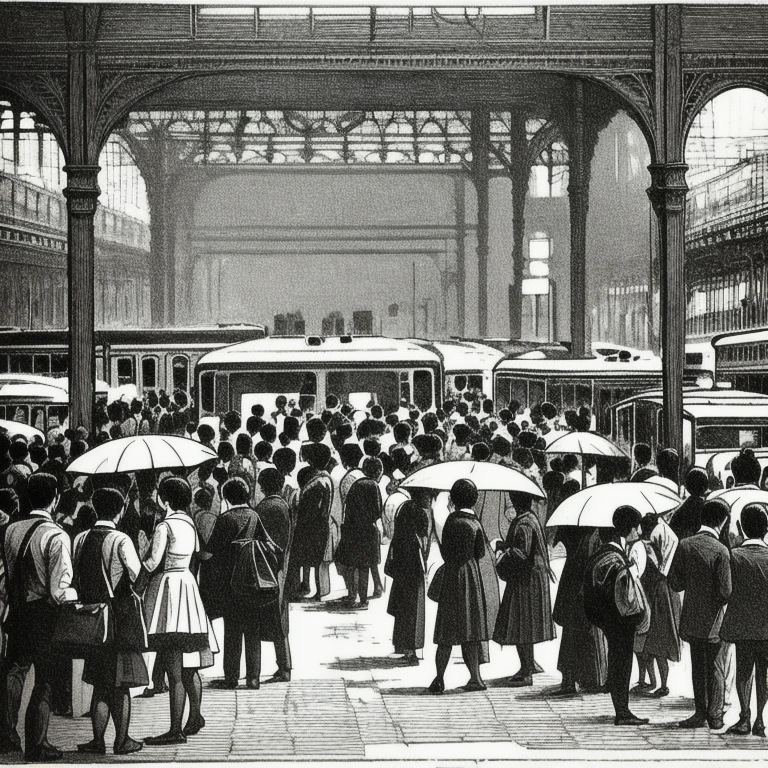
(423, 390)
(59, 364)
(206, 391)
(149, 373)
(180, 373)
(19, 413)
(3, 363)
(728, 438)
(360, 387)
(21, 363)
(263, 387)
(535, 393)
(124, 371)
(42, 364)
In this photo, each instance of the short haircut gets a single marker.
(548, 411)
(317, 455)
(350, 454)
(570, 462)
(263, 451)
(461, 432)
(746, 468)
(235, 491)
(481, 452)
(232, 421)
(714, 512)
(401, 431)
(226, 451)
(18, 451)
(754, 521)
(271, 481)
(220, 475)
(175, 491)
(697, 481)
(400, 459)
(464, 494)
(501, 446)
(206, 433)
(668, 463)
(244, 444)
(42, 489)
(376, 411)
(373, 468)
(625, 518)
(429, 422)
(371, 447)
(291, 427)
(107, 503)
(642, 453)
(316, 429)
(268, 432)
(284, 460)
(257, 410)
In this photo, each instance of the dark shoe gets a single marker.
(377, 593)
(411, 661)
(362, 606)
(758, 729)
(694, 721)
(630, 719)
(437, 686)
(129, 746)
(194, 726)
(568, 690)
(227, 685)
(537, 668)
(641, 688)
(521, 682)
(739, 729)
(475, 685)
(166, 739)
(716, 724)
(660, 693)
(93, 747)
(10, 744)
(147, 693)
(281, 676)
(253, 683)
(47, 753)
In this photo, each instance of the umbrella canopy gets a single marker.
(585, 443)
(486, 476)
(131, 454)
(737, 498)
(18, 428)
(594, 506)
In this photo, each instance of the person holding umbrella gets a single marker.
(461, 610)
(525, 616)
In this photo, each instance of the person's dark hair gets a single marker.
(204, 471)
(552, 483)
(460, 382)
(461, 433)
(548, 410)
(18, 451)
(291, 427)
(429, 422)
(376, 411)
(391, 419)
(268, 432)
(262, 451)
(501, 446)
(754, 521)
(37, 454)
(326, 417)
(225, 451)
(472, 422)
(42, 489)
(464, 494)
(364, 430)
(331, 402)
(625, 518)
(746, 468)
(232, 421)
(236, 491)
(714, 512)
(668, 463)
(344, 431)
(203, 498)
(527, 439)
(220, 475)
(481, 452)
(9, 502)
(570, 462)
(304, 475)
(253, 424)
(284, 440)
(643, 454)
(402, 431)
(449, 406)
(317, 455)
(257, 410)
(351, 454)
(175, 491)
(373, 468)
(107, 503)
(271, 481)
(244, 445)
(570, 487)
(164, 427)
(462, 409)
(284, 460)
(206, 433)
(371, 447)
(648, 523)
(520, 501)
(316, 430)
(697, 481)
(523, 457)
(400, 459)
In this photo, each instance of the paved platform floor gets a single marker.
(352, 699)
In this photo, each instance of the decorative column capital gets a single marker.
(82, 190)
(668, 187)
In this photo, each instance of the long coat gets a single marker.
(405, 566)
(313, 515)
(525, 615)
(747, 614)
(461, 608)
(359, 546)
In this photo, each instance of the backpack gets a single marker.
(257, 563)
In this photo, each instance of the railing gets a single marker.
(25, 204)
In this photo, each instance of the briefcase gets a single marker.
(82, 629)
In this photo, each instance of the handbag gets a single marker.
(81, 629)
(128, 616)
(257, 562)
(436, 585)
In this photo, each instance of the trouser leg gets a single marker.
(717, 660)
(362, 584)
(233, 645)
(745, 663)
(12, 677)
(378, 586)
(252, 648)
(699, 675)
(39, 707)
(620, 653)
(283, 654)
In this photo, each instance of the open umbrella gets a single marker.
(131, 454)
(585, 444)
(19, 428)
(594, 506)
(485, 476)
(739, 497)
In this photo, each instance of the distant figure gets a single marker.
(686, 520)
(643, 456)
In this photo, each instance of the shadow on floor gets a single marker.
(363, 663)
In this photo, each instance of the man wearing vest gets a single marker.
(38, 580)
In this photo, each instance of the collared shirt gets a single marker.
(120, 556)
(755, 542)
(707, 529)
(50, 550)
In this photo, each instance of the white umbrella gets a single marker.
(739, 497)
(585, 444)
(485, 475)
(594, 506)
(19, 428)
(131, 454)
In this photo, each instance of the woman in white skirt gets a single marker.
(177, 625)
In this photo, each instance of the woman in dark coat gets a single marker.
(461, 608)
(360, 548)
(313, 517)
(405, 566)
(525, 616)
(583, 657)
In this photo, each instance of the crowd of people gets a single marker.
(299, 493)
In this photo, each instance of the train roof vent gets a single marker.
(345, 339)
(314, 341)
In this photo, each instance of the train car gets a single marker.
(700, 356)
(359, 370)
(147, 358)
(741, 359)
(715, 422)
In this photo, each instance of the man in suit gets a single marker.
(610, 603)
(236, 521)
(746, 620)
(701, 569)
(38, 580)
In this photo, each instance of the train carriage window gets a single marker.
(125, 373)
(3, 363)
(18, 413)
(583, 395)
(2, 411)
(422, 389)
(207, 400)
(57, 415)
(536, 393)
(270, 384)
(38, 418)
(149, 373)
(180, 367)
(474, 382)
(356, 386)
(518, 390)
(405, 387)
(42, 364)
(59, 364)
(21, 363)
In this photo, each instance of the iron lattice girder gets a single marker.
(276, 137)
